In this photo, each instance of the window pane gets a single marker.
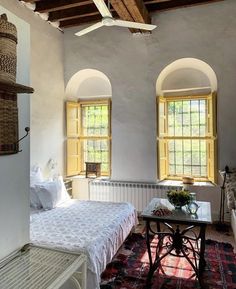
(187, 157)
(96, 151)
(95, 120)
(187, 118)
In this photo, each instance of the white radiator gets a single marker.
(138, 194)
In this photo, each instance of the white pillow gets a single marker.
(34, 199)
(64, 194)
(48, 194)
(35, 175)
(52, 193)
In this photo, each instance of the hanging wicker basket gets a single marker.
(8, 100)
(8, 42)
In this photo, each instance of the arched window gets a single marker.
(187, 120)
(88, 121)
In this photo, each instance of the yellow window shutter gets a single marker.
(163, 166)
(73, 157)
(162, 142)
(73, 119)
(212, 160)
(211, 115)
(162, 118)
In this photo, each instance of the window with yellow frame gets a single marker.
(88, 135)
(187, 137)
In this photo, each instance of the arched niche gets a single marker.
(88, 83)
(186, 76)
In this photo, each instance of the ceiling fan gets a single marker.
(108, 20)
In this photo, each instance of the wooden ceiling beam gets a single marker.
(154, 1)
(49, 5)
(30, 1)
(123, 13)
(76, 12)
(79, 21)
(138, 10)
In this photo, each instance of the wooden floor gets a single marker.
(211, 233)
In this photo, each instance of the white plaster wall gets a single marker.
(185, 78)
(41, 61)
(47, 102)
(88, 83)
(14, 169)
(206, 32)
(124, 60)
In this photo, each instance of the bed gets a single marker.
(95, 228)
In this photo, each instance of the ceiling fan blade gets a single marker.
(102, 8)
(89, 29)
(135, 25)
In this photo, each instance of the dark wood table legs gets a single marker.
(177, 242)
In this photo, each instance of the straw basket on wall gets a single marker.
(8, 100)
(8, 41)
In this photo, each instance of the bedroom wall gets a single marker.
(14, 169)
(46, 74)
(133, 63)
(40, 65)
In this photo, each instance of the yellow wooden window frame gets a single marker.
(162, 136)
(75, 135)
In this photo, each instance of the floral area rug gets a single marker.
(130, 265)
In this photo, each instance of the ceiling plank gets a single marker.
(79, 21)
(76, 12)
(123, 13)
(49, 5)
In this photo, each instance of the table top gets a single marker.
(203, 215)
(39, 268)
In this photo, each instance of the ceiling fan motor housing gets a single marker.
(108, 21)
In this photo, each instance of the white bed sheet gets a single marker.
(95, 228)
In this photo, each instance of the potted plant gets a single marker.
(179, 198)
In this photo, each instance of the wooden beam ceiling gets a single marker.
(79, 21)
(79, 12)
(76, 12)
(49, 5)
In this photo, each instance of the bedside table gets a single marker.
(41, 268)
(93, 168)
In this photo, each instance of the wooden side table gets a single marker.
(41, 268)
(93, 168)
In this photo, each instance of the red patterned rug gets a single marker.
(129, 268)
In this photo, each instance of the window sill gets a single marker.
(175, 183)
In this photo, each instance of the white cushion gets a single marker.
(52, 193)
(34, 199)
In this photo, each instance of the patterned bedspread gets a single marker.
(95, 228)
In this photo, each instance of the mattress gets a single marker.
(96, 229)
